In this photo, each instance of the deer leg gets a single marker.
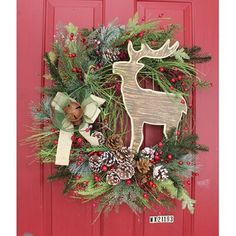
(168, 127)
(136, 135)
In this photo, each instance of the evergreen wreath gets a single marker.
(80, 65)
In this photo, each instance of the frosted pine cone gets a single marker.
(160, 173)
(111, 55)
(95, 163)
(112, 177)
(148, 152)
(124, 155)
(108, 159)
(125, 170)
(143, 165)
(114, 142)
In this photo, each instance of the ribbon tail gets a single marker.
(84, 131)
(63, 148)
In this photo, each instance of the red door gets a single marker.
(42, 208)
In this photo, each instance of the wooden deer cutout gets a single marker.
(146, 105)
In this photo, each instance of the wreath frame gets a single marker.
(80, 64)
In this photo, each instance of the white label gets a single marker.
(161, 219)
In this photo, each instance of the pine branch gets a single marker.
(53, 71)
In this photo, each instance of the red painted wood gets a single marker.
(42, 209)
(29, 69)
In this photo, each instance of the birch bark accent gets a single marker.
(146, 105)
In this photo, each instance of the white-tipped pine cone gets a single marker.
(111, 55)
(125, 170)
(123, 155)
(160, 173)
(112, 177)
(148, 153)
(95, 163)
(108, 159)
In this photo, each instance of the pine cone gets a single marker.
(100, 136)
(124, 155)
(143, 165)
(111, 55)
(114, 142)
(160, 173)
(95, 163)
(112, 177)
(108, 159)
(148, 153)
(125, 170)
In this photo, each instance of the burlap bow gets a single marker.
(91, 110)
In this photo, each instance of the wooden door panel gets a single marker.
(68, 216)
(168, 13)
(42, 208)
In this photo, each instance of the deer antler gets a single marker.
(146, 51)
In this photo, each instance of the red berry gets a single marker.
(55, 142)
(182, 101)
(73, 137)
(188, 182)
(160, 152)
(156, 158)
(150, 183)
(160, 144)
(185, 90)
(179, 77)
(188, 163)
(173, 80)
(65, 50)
(169, 156)
(178, 132)
(154, 185)
(79, 140)
(161, 69)
(171, 88)
(141, 34)
(145, 195)
(104, 168)
(53, 130)
(71, 38)
(153, 43)
(78, 177)
(96, 178)
(128, 181)
(74, 69)
(180, 163)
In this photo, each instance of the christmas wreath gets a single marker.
(97, 97)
